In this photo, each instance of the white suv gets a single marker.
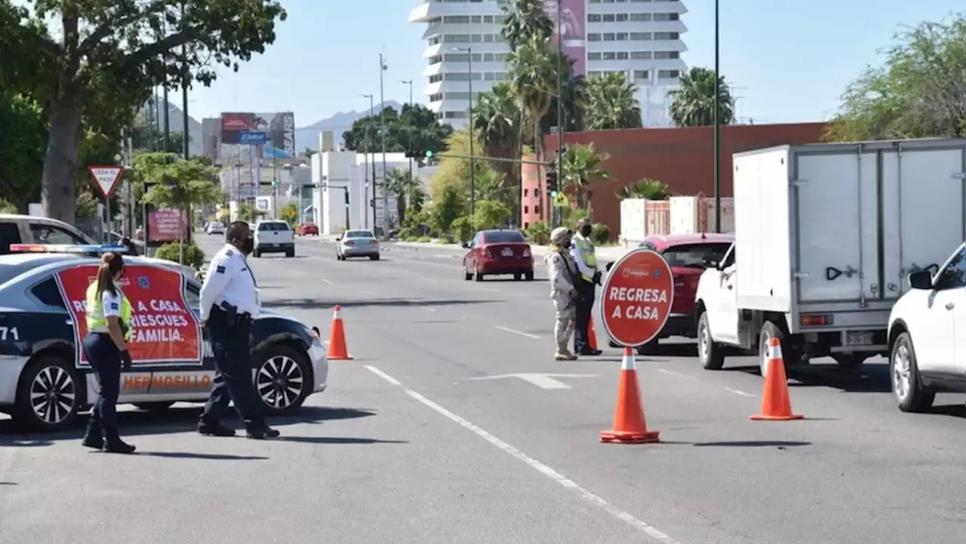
(927, 339)
(274, 237)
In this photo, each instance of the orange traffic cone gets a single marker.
(338, 350)
(775, 402)
(591, 335)
(629, 424)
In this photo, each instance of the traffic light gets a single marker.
(552, 182)
(429, 154)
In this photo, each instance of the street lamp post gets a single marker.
(382, 128)
(410, 83)
(469, 58)
(717, 128)
(368, 151)
(560, 115)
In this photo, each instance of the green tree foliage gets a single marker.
(179, 184)
(693, 104)
(582, 167)
(462, 229)
(611, 103)
(290, 214)
(104, 57)
(920, 91)
(405, 187)
(499, 123)
(525, 20)
(539, 233)
(533, 72)
(192, 256)
(490, 214)
(417, 127)
(8, 207)
(23, 137)
(600, 234)
(446, 209)
(650, 189)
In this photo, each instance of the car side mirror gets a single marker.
(609, 266)
(920, 280)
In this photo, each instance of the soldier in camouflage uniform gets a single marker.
(562, 269)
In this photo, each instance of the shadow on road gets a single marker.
(391, 302)
(174, 420)
(206, 456)
(337, 440)
(869, 378)
(753, 444)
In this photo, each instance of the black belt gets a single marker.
(228, 311)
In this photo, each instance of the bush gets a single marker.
(462, 229)
(425, 240)
(539, 233)
(193, 256)
(572, 215)
(601, 234)
(491, 214)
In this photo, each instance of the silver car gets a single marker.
(357, 243)
(43, 385)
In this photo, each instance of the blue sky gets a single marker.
(789, 60)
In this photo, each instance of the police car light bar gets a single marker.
(90, 249)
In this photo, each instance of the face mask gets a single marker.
(586, 230)
(566, 244)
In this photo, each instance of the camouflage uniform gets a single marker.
(561, 267)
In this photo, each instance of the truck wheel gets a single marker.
(710, 354)
(904, 374)
(849, 361)
(790, 355)
(48, 394)
(290, 253)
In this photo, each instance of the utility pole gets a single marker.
(184, 92)
(469, 57)
(717, 127)
(382, 123)
(365, 205)
(410, 127)
(560, 119)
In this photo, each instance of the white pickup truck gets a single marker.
(274, 237)
(826, 236)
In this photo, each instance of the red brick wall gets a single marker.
(681, 157)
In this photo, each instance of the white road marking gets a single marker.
(427, 308)
(327, 282)
(678, 374)
(543, 381)
(521, 333)
(546, 470)
(739, 392)
(383, 375)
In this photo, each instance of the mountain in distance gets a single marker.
(308, 136)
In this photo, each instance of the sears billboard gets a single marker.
(280, 128)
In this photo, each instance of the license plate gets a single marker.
(507, 252)
(859, 338)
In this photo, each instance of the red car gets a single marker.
(688, 255)
(495, 252)
(306, 229)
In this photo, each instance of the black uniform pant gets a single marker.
(231, 344)
(586, 291)
(105, 359)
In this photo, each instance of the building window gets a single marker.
(536, 210)
(667, 35)
(536, 193)
(526, 209)
(668, 74)
(640, 55)
(666, 54)
(526, 192)
(641, 74)
(665, 16)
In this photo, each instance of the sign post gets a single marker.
(105, 179)
(635, 303)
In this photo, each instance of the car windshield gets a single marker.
(275, 225)
(359, 234)
(503, 236)
(695, 255)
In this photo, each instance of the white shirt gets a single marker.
(579, 259)
(111, 303)
(230, 280)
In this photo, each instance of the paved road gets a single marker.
(420, 439)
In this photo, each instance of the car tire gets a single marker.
(529, 276)
(43, 376)
(904, 375)
(374, 258)
(710, 353)
(282, 362)
(650, 348)
(790, 355)
(290, 254)
(517, 276)
(155, 407)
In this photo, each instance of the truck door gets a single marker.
(723, 312)
(837, 235)
(922, 211)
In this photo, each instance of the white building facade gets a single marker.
(640, 38)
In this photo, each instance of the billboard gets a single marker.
(573, 17)
(278, 127)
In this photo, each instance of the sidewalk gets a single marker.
(604, 254)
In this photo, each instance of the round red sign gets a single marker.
(636, 298)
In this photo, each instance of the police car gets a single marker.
(45, 381)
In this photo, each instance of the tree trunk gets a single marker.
(546, 205)
(58, 194)
(400, 207)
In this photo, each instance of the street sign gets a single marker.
(250, 137)
(106, 178)
(636, 298)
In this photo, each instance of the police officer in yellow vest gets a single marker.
(588, 278)
(108, 329)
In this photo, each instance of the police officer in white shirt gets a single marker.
(229, 303)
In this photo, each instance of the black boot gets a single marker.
(215, 430)
(262, 432)
(94, 437)
(116, 445)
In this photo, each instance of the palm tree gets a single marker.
(693, 104)
(499, 121)
(611, 103)
(525, 19)
(582, 168)
(650, 189)
(402, 184)
(533, 78)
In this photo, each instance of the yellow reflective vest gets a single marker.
(96, 322)
(586, 248)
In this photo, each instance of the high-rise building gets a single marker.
(640, 38)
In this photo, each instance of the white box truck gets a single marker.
(826, 236)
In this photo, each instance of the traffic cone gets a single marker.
(629, 424)
(775, 402)
(338, 350)
(591, 335)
